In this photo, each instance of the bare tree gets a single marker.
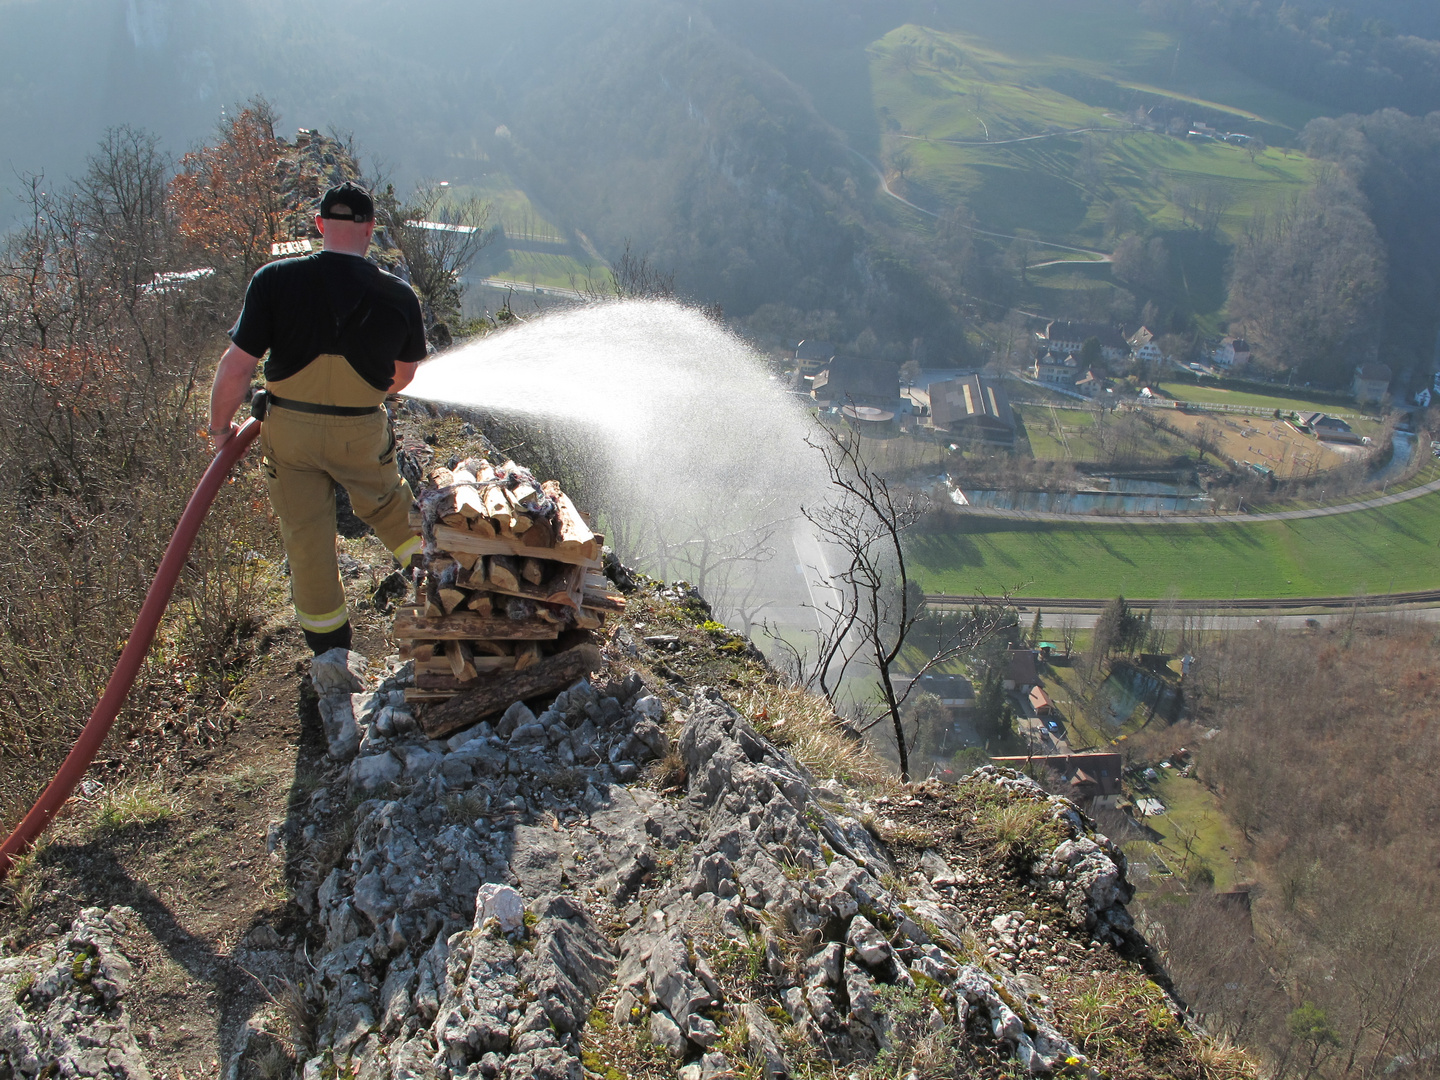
(439, 238)
(868, 620)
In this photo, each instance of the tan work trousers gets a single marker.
(304, 456)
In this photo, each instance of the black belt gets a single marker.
(321, 410)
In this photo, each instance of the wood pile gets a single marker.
(509, 590)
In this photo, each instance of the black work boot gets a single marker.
(339, 638)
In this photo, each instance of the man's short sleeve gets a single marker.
(254, 330)
(415, 348)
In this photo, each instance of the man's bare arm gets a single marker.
(232, 380)
(404, 373)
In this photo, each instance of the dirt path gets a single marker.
(195, 841)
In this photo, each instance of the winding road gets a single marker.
(1098, 256)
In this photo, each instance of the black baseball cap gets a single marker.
(348, 202)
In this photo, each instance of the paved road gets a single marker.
(1009, 142)
(1206, 519)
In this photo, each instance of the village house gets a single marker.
(1092, 384)
(954, 691)
(1063, 337)
(974, 406)
(1145, 347)
(813, 357)
(1231, 352)
(1372, 383)
(1056, 370)
(1093, 778)
(1020, 670)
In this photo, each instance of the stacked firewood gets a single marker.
(510, 587)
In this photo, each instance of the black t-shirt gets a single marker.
(301, 308)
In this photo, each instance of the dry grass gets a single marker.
(667, 774)
(1019, 829)
(136, 806)
(25, 883)
(806, 726)
(300, 1018)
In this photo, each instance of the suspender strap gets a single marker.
(322, 410)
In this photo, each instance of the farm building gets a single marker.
(850, 381)
(1063, 337)
(973, 405)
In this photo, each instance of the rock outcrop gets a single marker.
(634, 880)
(62, 1013)
(514, 905)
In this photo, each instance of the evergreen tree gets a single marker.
(1037, 630)
(994, 715)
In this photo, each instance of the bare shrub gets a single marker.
(100, 360)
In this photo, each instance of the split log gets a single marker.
(494, 648)
(541, 534)
(415, 696)
(563, 588)
(533, 571)
(419, 651)
(468, 626)
(573, 534)
(473, 578)
(497, 509)
(450, 599)
(527, 655)
(603, 601)
(482, 528)
(468, 503)
(461, 660)
(466, 559)
(480, 603)
(520, 521)
(504, 573)
(498, 694)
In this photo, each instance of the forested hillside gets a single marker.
(1035, 156)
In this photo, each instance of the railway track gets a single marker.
(1252, 604)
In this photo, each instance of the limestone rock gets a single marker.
(338, 672)
(501, 903)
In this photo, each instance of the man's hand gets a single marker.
(223, 435)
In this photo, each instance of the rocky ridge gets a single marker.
(638, 880)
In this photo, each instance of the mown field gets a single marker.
(1393, 549)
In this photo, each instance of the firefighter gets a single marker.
(341, 334)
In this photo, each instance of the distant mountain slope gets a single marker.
(731, 140)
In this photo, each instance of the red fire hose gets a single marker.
(131, 657)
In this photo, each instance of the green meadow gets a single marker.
(1392, 549)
